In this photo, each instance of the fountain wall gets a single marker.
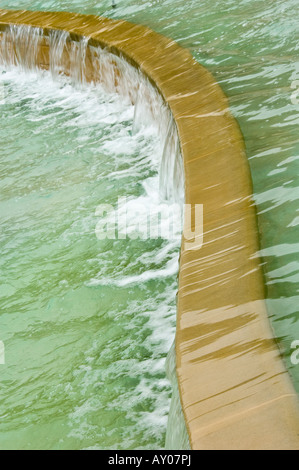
(233, 387)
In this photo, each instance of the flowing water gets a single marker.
(251, 47)
(86, 322)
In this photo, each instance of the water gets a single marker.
(251, 47)
(86, 323)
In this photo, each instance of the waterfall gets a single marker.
(30, 49)
(26, 47)
(171, 167)
(176, 436)
(19, 46)
(57, 42)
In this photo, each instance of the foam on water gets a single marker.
(87, 322)
(252, 50)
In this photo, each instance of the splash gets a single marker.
(30, 50)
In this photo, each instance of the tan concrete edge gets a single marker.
(235, 390)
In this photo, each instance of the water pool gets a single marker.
(251, 48)
(86, 333)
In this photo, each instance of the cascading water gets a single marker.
(251, 48)
(146, 128)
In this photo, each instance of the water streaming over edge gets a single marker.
(114, 75)
(251, 48)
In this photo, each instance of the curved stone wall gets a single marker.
(234, 388)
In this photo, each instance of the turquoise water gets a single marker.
(251, 47)
(86, 323)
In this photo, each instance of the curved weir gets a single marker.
(234, 389)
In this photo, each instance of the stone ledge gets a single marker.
(235, 391)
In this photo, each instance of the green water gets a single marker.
(86, 323)
(251, 47)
